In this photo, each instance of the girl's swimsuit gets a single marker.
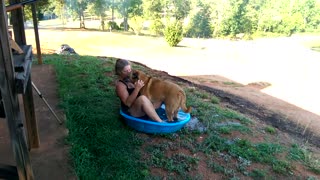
(125, 108)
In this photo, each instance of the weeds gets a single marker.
(303, 155)
(270, 130)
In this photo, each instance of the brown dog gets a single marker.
(158, 90)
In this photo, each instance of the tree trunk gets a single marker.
(102, 22)
(80, 18)
(112, 11)
(82, 25)
(125, 23)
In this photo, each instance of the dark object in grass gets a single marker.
(66, 49)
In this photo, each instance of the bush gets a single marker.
(137, 24)
(122, 26)
(157, 27)
(173, 33)
(113, 25)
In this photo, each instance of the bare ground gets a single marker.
(248, 99)
(51, 160)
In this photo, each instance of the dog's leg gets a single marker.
(169, 113)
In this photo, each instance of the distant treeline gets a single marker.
(202, 18)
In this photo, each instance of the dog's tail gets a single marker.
(183, 102)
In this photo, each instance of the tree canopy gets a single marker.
(202, 18)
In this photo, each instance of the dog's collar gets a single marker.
(127, 80)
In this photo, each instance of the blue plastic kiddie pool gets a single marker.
(152, 127)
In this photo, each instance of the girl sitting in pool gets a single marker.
(131, 102)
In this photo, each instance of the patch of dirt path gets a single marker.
(249, 99)
(51, 160)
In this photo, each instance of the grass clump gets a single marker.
(270, 130)
(303, 155)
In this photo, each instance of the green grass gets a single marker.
(270, 129)
(102, 147)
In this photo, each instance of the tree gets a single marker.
(81, 6)
(129, 8)
(268, 16)
(56, 7)
(218, 8)
(200, 25)
(179, 9)
(309, 10)
(153, 11)
(99, 8)
(236, 21)
(39, 5)
(77, 8)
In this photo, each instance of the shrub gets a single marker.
(122, 26)
(173, 33)
(157, 27)
(137, 24)
(113, 25)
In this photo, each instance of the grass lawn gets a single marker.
(230, 146)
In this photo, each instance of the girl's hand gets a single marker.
(139, 84)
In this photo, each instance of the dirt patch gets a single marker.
(51, 159)
(249, 100)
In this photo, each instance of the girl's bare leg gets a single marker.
(143, 106)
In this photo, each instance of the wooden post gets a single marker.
(18, 24)
(11, 103)
(36, 33)
(32, 127)
(20, 38)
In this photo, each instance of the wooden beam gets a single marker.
(13, 7)
(15, 46)
(18, 5)
(11, 102)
